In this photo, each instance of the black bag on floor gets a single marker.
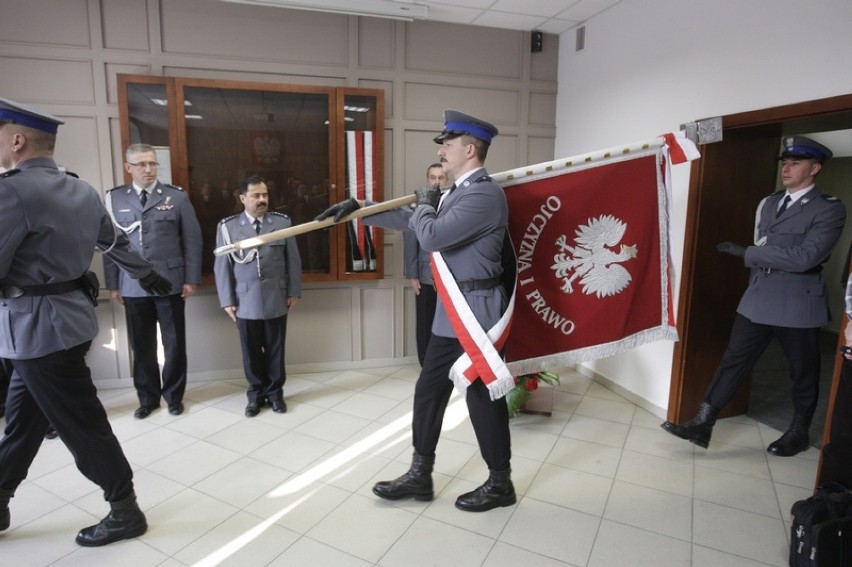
(821, 530)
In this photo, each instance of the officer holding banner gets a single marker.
(467, 226)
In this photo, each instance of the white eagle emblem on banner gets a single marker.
(594, 260)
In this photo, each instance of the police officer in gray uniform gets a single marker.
(256, 289)
(468, 226)
(419, 273)
(160, 222)
(52, 222)
(795, 232)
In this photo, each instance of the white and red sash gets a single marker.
(481, 358)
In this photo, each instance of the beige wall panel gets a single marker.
(67, 24)
(202, 73)
(234, 31)
(47, 80)
(543, 109)
(543, 65)
(113, 69)
(386, 86)
(103, 357)
(125, 24)
(469, 51)
(213, 343)
(420, 152)
(504, 153)
(376, 43)
(117, 155)
(539, 150)
(76, 148)
(377, 329)
(319, 329)
(427, 102)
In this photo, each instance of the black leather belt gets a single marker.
(13, 291)
(476, 285)
(814, 270)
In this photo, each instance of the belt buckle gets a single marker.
(766, 270)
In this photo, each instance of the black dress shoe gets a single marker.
(497, 491)
(124, 521)
(51, 433)
(278, 406)
(142, 412)
(176, 409)
(789, 444)
(252, 409)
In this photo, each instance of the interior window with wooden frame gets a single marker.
(313, 145)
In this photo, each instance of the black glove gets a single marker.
(732, 248)
(339, 210)
(428, 196)
(155, 284)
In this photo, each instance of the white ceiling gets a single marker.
(550, 16)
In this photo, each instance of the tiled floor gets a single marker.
(599, 484)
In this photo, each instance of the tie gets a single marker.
(256, 226)
(143, 197)
(783, 206)
(444, 195)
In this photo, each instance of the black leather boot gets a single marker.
(124, 521)
(795, 439)
(497, 491)
(417, 482)
(5, 517)
(698, 429)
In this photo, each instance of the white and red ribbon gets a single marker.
(481, 358)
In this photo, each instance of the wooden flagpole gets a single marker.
(311, 226)
(505, 179)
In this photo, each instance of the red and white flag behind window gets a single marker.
(360, 165)
(594, 275)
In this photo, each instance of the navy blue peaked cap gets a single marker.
(458, 123)
(802, 147)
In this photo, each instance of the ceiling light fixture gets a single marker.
(394, 9)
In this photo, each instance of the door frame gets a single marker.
(689, 378)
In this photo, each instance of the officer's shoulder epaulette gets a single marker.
(169, 185)
(116, 188)
(9, 173)
(780, 192)
(829, 197)
(229, 219)
(279, 214)
(72, 174)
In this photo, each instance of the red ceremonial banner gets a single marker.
(593, 262)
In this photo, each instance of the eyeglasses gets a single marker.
(144, 164)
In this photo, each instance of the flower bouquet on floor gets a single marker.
(525, 385)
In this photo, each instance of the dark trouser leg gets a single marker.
(747, 342)
(61, 384)
(141, 314)
(276, 334)
(424, 304)
(801, 346)
(5, 378)
(253, 345)
(490, 420)
(432, 393)
(171, 313)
